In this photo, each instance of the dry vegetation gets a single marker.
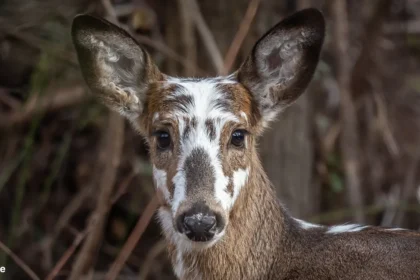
(76, 193)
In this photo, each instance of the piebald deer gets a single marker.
(220, 215)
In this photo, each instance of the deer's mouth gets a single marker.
(196, 245)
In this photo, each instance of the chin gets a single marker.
(186, 244)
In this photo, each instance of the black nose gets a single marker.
(199, 226)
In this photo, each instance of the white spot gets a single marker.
(345, 228)
(240, 177)
(244, 116)
(179, 265)
(180, 189)
(395, 229)
(155, 116)
(165, 219)
(418, 193)
(306, 225)
(160, 182)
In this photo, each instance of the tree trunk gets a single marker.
(286, 148)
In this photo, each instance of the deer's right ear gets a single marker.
(114, 66)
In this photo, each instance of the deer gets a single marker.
(219, 213)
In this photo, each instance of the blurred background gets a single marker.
(75, 179)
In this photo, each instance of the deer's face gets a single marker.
(200, 131)
(200, 136)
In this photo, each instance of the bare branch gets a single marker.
(58, 99)
(133, 239)
(240, 36)
(360, 81)
(19, 262)
(349, 134)
(188, 35)
(207, 37)
(66, 256)
(157, 249)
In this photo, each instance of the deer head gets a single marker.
(201, 132)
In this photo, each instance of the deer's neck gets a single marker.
(253, 241)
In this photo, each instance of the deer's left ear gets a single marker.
(283, 61)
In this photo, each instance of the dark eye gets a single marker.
(238, 138)
(163, 139)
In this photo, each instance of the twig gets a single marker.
(188, 37)
(19, 262)
(360, 77)
(8, 100)
(110, 155)
(383, 122)
(133, 239)
(122, 188)
(57, 100)
(110, 10)
(68, 212)
(240, 36)
(157, 249)
(66, 256)
(390, 202)
(409, 188)
(207, 37)
(70, 58)
(169, 53)
(349, 133)
(405, 27)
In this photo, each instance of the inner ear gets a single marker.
(114, 66)
(283, 61)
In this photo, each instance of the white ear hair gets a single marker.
(283, 61)
(114, 66)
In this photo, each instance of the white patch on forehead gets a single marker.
(240, 177)
(306, 225)
(160, 178)
(345, 228)
(205, 96)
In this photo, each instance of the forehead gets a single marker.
(217, 98)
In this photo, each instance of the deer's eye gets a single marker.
(238, 138)
(163, 139)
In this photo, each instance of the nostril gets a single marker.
(209, 222)
(199, 223)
